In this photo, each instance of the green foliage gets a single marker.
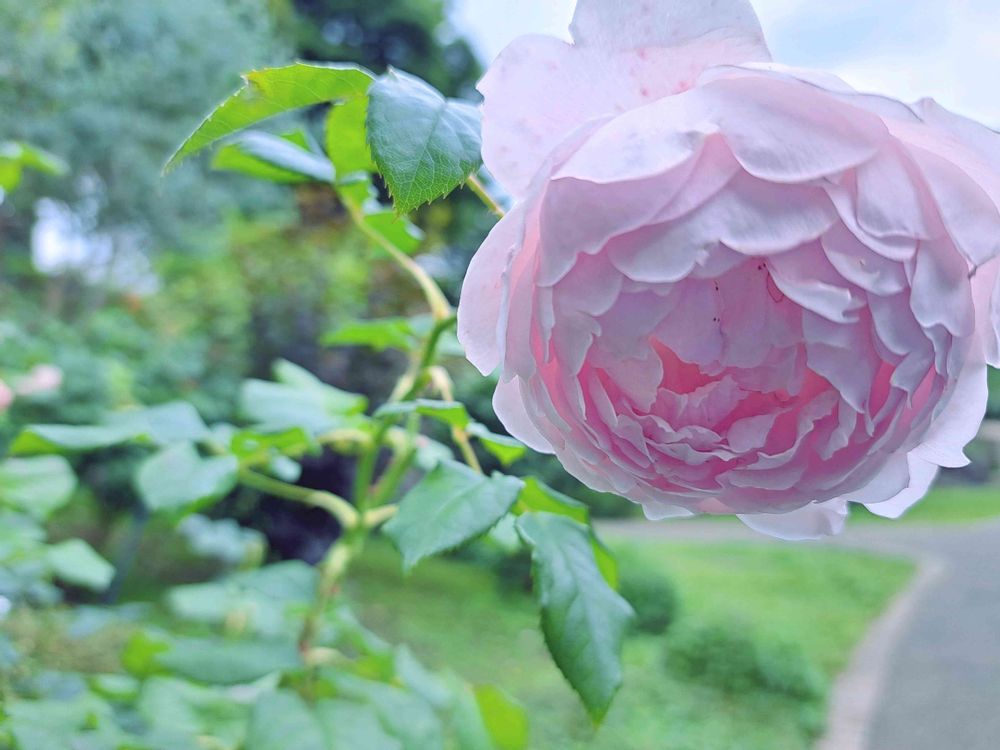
(424, 145)
(271, 92)
(179, 480)
(580, 612)
(17, 157)
(503, 448)
(730, 656)
(653, 596)
(297, 400)
(36, 486)
(386, 333)
(110, 86)
(345, 138)
(449, 507)
(75, 562)
(413, 35)
(287, 159)
(450, 413)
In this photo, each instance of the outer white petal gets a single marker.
(540, 90)
(508, 403)
(634, 24)
(479, 309)
(813, 521)
(960, 419)
(922, 474)
(975, 136)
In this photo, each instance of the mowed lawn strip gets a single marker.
(821, 600)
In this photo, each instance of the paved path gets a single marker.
(928, 675)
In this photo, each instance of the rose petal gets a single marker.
(479, 313)
(811, 522)
(921, 476)
(635, 24)
(508, 404)
(789, 132)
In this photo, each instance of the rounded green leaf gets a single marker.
(179, 480)
(38, 485)
(75, 562)
(424, 145)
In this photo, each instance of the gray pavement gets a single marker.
(929, 674)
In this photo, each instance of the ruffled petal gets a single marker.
(959, 420)
(921, 476)
(509, 406)
(811, 522)
(536, 93)
(784, 131)
(979, 138)
(479, 309)
(635, 24)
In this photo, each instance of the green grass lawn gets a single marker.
(959, 504)
(453, 614)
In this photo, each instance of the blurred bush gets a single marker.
(653, 596)
(730, 656)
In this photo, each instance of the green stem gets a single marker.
(440, 307)
(337, 506)
(439, 376)
(477, 187)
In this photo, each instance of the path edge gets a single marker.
(857, 690)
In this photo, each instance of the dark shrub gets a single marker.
(652, 595)
(729, 656)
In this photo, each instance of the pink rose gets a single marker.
(729, 286)
(6, 397)
(41, 379)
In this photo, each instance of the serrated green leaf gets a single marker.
(538, 496)
(584, 621)
(381, 334)
(274, 158)
(503, 448)
(503, 717)
(270, 92)
(58, 438)
(75, 562)
(424, 145)
(164, 424)
(452, 413)
(449, 507)
(347, 137)
(179, 480)
(38, 485)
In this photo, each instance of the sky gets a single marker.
(909, 49)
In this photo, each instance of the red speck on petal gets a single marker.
(644, 92)
(772, 289)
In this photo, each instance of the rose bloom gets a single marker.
(727, 285)
(41, 379)
(6, 397)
